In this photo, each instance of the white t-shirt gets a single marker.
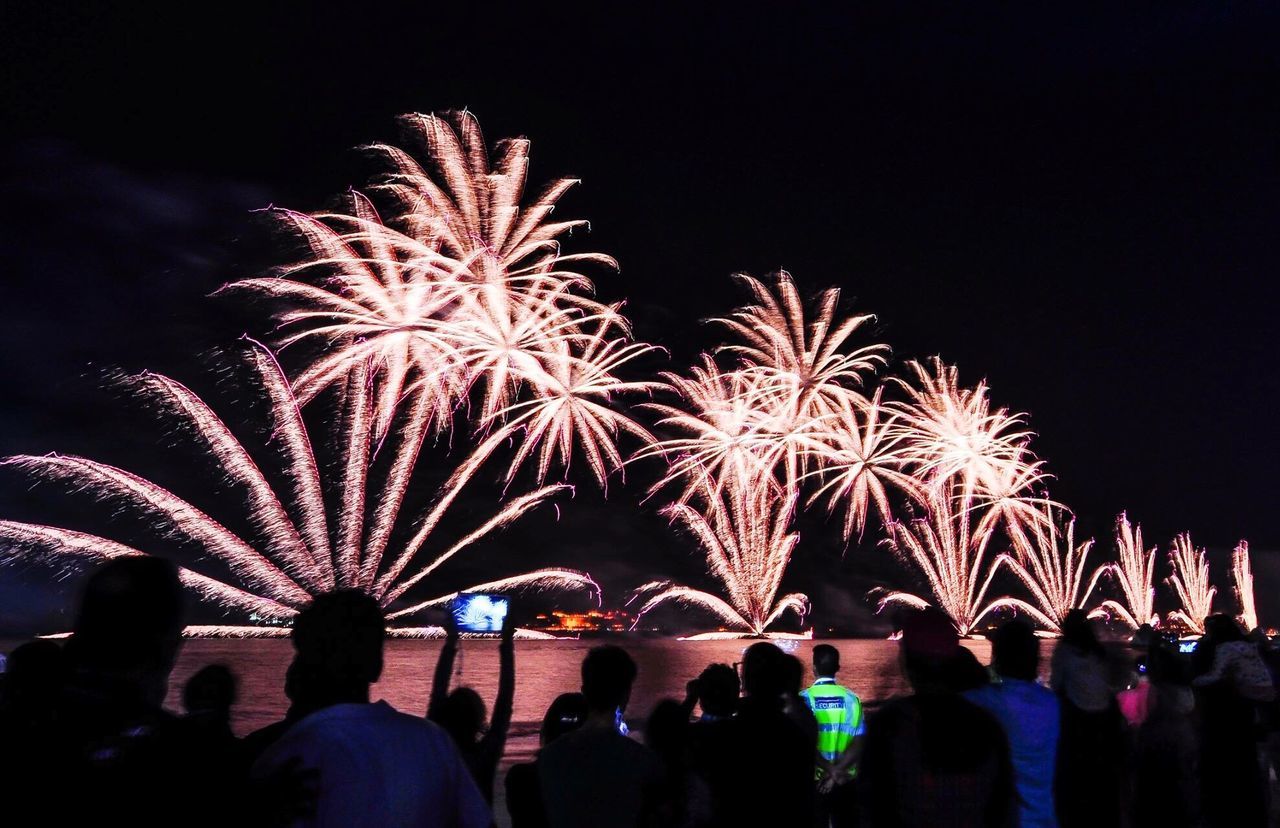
(379, 767)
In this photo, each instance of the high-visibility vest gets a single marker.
(839, 714)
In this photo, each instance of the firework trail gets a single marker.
(748, 546)
(1051, 565)
(949, 548)
(1242, 574)
(1190, 582)
(1134, 573)
(300, 551)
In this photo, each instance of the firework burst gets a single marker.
(1190, 582)
(949, 548)
(1134, 573)
(1051, 565)
(1242, 575)
(748, 545)
(300, 550)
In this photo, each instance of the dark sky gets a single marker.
(1079, 206)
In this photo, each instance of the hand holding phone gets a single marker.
(479, 613)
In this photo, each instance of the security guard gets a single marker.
(840, 734)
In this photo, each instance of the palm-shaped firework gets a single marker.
(1134, 573)
(1242, 575)
(1190, 582)
(300, 550)
(1051, 565)
(949, 547)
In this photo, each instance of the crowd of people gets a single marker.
(1180, 739)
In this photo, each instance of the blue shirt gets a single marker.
(1029, 715)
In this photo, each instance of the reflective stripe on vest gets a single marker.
(839, 714)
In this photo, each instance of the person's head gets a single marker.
(826, 661)
(1015, 651)
(930, 651)
(718, 689)
(130, 623)
(1078, 632)
(607, 675)
(764, 671)
(337, 640)
(565, 715)
(1222, 628)
(462, 713)
(211, 691)
(667, 729)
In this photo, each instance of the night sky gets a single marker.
(1080, 207)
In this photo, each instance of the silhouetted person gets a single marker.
(934, 759)
(302, 701)
(841, 733)
(376, 766)
(793, 704)
(1030, 717)
(122, 759)
(1091, 745)
(758, 764)
(1232, 679)
(208, 698)
(595, 776)
(524, 795)
(686, 802)
(716, 690)
(34, 681)
(461, 712)
(1166, 783)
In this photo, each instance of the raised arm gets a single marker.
(500, 721)
(444, 670)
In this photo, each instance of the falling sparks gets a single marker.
(949, 549)
(1051, 565)
(1190, 582)
(1242, 575)
(1134, 573)
(300, 551)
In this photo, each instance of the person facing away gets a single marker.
(686, 801)
(1091, 745)
(1030, 717)
(934, 759)
(119, 754)
(376, 766)
(595, 776)
(716, 691)
(461, 712)
(524, 796)
(841, 733)
(758, 764)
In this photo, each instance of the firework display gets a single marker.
(437, 307)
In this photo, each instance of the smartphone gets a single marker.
(477, 613)
(1187, 646)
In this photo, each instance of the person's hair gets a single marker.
(35, 674)
(212, 689)
(826, 660)
(933, 673)
(718, 689)
(607, 675)
(565, 715)
(1015, 651)
(792, 674)
(1077, 631)
(764, 671)
(462, 714)
(1222, 628)
(338, 638)
(131, 615)
(666, 731)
